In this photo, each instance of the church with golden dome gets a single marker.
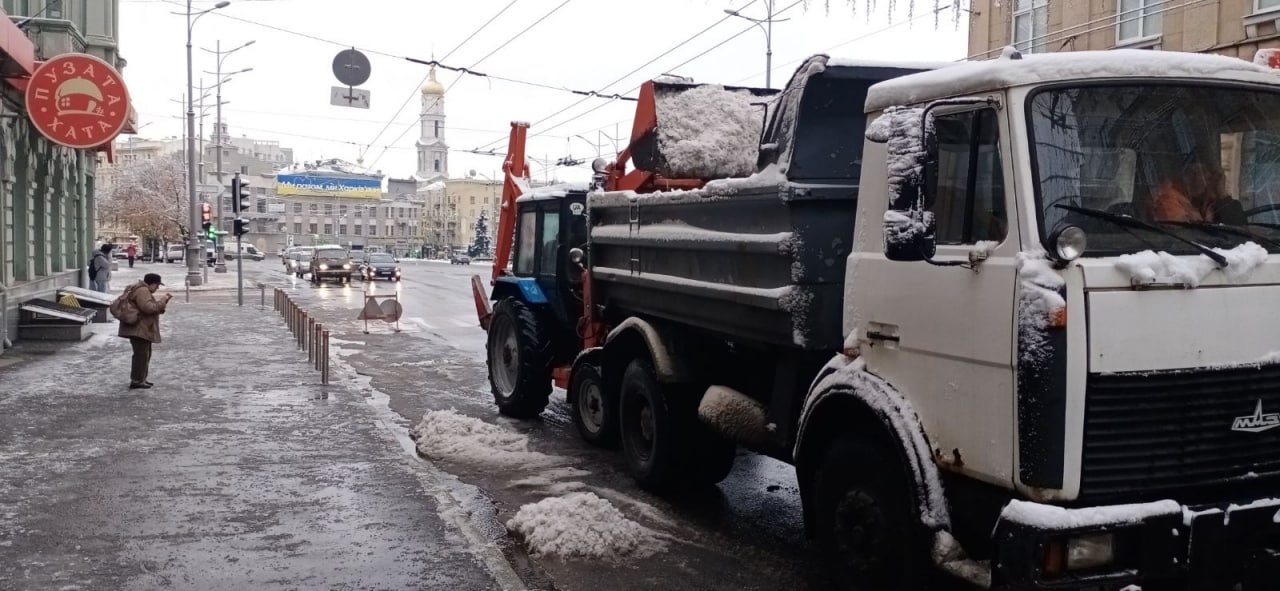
(433, 151)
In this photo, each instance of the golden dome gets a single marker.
(432, 86)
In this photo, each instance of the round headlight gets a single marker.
(323, 267)
(1069, 243)
(575, 255)
(346, 266)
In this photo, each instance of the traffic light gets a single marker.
(206, 220)
(241, 227)
(240, 199)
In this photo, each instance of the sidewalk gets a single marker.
(235, 471)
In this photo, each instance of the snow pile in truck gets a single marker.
(447, 435)
(1151, 267)
(708, 132)
(582, 525)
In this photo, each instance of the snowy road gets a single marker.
(744, 534)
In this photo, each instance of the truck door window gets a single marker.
(968, 191)
(550, 239)
(528, 240)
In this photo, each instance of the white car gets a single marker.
(175, 253)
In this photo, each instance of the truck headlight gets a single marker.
(324, 267)
(1091, 551)
(1068, 243)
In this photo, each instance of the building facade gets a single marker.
(1236, 28)
(47, 230)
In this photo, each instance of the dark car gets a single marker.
(331, 262)
(379, 264)
(459, 259)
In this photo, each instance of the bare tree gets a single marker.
(149, 197)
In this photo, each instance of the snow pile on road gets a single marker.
(447, 435)
(1038, 302)
(1149, 266)
(708, 132)
(582, 525)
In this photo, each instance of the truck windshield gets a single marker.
(1199, 163)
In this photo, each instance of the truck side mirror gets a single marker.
(911, 155)
(909, 235)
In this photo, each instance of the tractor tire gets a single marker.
(518, 360)
(650, 429)
(595, 409)
(867, 527)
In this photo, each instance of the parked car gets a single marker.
(459, 259)
(379, 264)
(298, 260)
(249, 251)
(175, 253)
(330, 262)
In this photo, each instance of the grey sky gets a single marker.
(584, 45)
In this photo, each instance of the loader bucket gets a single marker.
(698, 131)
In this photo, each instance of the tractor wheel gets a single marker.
(595, 410)
(519, 370)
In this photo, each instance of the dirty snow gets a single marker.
(952, 558)
(448, 435)
(1052, 517)
(734, 414)
(1150, 267)
(1038, 301)
(582, 525)
(901, 129)
(708, 132)
(852, 378)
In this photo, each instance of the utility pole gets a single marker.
(766, 25)
(193, 242)
(220, 264)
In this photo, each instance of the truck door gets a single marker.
(945, 335)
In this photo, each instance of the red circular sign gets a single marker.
(78, 100)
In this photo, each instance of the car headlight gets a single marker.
(346, 266)
(397, 270)
(324, 267)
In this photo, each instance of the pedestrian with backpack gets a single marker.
(138, 311)
(100, 269)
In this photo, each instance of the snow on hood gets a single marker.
(988, 75)
(1155, 267)
(708, 132)
(582, 525)
(1055, 518)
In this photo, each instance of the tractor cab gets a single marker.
(550, 237)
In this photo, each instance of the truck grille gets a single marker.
(1169, 434)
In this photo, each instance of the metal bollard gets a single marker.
(319, 333)
(298, 334)
(324, 369)
(262, 293)
(311, 340)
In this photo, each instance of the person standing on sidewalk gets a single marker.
(100, 268)
(146, 331)
(132, 251)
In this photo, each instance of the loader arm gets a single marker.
(514, 170)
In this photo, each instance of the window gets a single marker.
(373, 212)
(526, 240)
(358, 228)
(1265, 5)
(373, 230)
(550, 240)
(312, 208)
(1031, 24)
(437, 128)
(53, 9)
(1138, 19)
(297, 227)
(312, 227)
(391, 230)
(342, 230)
(473, 199)
(968, 197)
(244, 170)
(342, 210)
(437, 168)
(328, 209)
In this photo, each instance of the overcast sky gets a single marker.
(584, 45)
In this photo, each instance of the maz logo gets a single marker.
(1256, 422)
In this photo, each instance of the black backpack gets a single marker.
(93, 269)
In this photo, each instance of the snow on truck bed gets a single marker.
(708, 132)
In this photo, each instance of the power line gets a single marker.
(487, 56)
(1110, 20)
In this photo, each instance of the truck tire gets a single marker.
(519, 375)
(595, 410)
(650, 429)
(866, 524)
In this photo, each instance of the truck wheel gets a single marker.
(518, 372)
(866, 522)
(649, 429)
(595, 412)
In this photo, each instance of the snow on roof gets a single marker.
(852, 62)
(708, 132)
(556, 191)
(983, 76)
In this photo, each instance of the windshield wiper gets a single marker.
(1132, 222)
(1224, 229)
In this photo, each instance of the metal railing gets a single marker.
(308, 334)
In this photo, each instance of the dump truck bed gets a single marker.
(750, 259)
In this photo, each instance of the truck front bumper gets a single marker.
(1161, 545)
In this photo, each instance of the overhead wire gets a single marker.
(1111, 21)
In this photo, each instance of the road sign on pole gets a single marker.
(349, 97)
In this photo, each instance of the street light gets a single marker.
(193, 243)
(220, 264)
(766, 25)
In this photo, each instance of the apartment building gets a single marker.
(1236, 28)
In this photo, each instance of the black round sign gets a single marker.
(351, 67)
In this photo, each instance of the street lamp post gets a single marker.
(766, 25)
(220, 264)
(193, 242)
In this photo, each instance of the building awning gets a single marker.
(17, 53)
